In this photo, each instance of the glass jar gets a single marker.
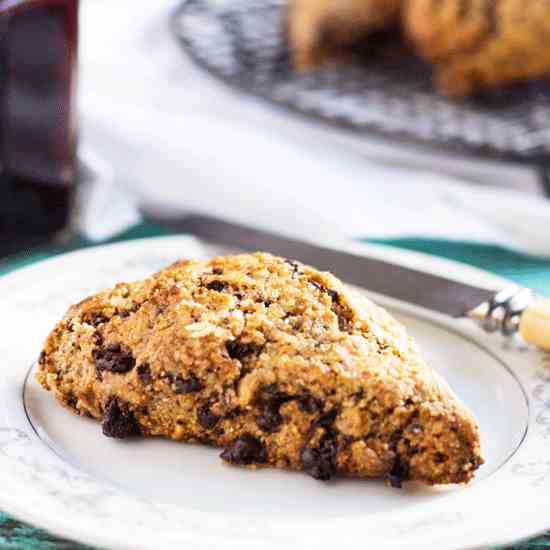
(38, 51)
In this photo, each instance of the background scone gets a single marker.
(277, 363)
(320, 29)
(480, 43)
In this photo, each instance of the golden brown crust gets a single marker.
(321, 29)
(480, 43)
(274, 361)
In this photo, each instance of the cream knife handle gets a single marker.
(534, 324)
(515, 309)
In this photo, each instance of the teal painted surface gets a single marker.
(525, 270)
(15, 535)
(35, 255)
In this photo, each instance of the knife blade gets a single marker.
(418, 287)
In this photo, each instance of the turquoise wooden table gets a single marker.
(528, 271)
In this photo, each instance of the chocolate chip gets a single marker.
(416, 429)
(119, 421)
(97, 338)
(344, 316)
(318, 286)
(295, 268)
(394, 481)
(190, 384)
(42, 357)
(326, 419)
(168, 376)
(270, 419)
(238, 350)
(271, 391)
(309, 457)
(267, 303)
(134, 309)
(207, 419)
(334, 296)
(219, 286)
(398, 474)
(269, 400)
(233, 413)
(310, 404)
(123, 314)
(320, 463)
(72, 400)
(95, 318)
(217, 271)
(440, 458)
(340, 310)
(113, 358)
(246, 449)
(476, 462)
(144, 373)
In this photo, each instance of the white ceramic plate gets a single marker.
(58, 472)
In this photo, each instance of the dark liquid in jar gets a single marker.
(38, 43)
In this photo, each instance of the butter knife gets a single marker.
(509, 310)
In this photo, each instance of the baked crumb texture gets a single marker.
(273, 361)
(481, 43)
(321, 30)
(473, 44)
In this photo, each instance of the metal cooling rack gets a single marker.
(243, 43)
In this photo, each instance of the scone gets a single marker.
(275, 362)
(480, 43)
(319, 29)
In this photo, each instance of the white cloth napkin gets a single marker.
(175, 140)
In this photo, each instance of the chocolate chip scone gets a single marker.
(277, 363)
(321, 29)
(481, 43)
